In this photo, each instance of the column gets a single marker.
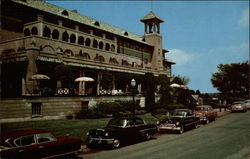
(98, 82)
(40, 25)
(32, 87)
(81, 84)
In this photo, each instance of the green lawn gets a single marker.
(75, 128)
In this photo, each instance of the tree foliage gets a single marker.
(180, 80)
(164, 82)
(149, 85)
(232, 79)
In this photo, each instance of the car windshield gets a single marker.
(201, 109)
(117, 123)
(179, 113)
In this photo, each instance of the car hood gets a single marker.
(173, 120)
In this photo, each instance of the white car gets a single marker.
(238, 106)
(247, 103)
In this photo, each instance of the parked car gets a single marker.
(247, 103)
(121, 131)
(36, 143)
(179, 120)
(238, 106)
(206, 113)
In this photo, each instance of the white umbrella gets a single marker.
(40, 77)
(84, 79)
(175, 85)
(184, 87)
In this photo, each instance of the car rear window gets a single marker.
(45, 137)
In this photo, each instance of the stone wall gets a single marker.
(59, 107)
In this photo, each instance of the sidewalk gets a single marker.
(222, 112)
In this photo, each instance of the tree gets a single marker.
(149, 87)
(232, 80)
(180, 80)
(164, 82)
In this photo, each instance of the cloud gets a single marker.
(244, 19)
(181, 57)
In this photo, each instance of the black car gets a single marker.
(178, 121)
(121, 131)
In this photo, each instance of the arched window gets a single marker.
(55, 34)
(72, 38)
(81, 40)
(80, 53)
(101, 59)
(112, 47)
(26, 32)
(101, 45)
(34, 31)
(95, 44)
(107, 47)
(86, 55)
(87, 42)
(64, 12)
(46, 32)
(68, 52)
(97, 23)
(65, 36)
(126, 33)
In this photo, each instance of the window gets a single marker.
(97, 23)
(55, 34)
(138, 121)
(95, 44)
(101, 45)
(26, 32)
(81, 40)
(64, 12)
(46, 32)
(107, 47)
(36, 108)
(25, 140)
(34, 31)
(87, 42)
(45, 137)
(65, 36)
(72, 38)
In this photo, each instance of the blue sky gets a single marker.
(199, 34)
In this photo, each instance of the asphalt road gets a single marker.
(226, 138)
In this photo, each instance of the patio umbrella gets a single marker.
(184, 87)
(174, 85)
(40, 77)
(84, 79)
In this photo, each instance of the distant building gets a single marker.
(40, 38)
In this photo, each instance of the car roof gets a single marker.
(19, 133)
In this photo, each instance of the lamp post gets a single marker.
(133, 83)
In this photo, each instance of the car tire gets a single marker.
(181, 130)
(147, 136)
(116, 143)
(196, 126)
(207, 121)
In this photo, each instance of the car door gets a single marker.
(48, 145)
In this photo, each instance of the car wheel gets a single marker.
(116, 143)
(147, 136)
(207, 121)
(196, 126)
(181, 130)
